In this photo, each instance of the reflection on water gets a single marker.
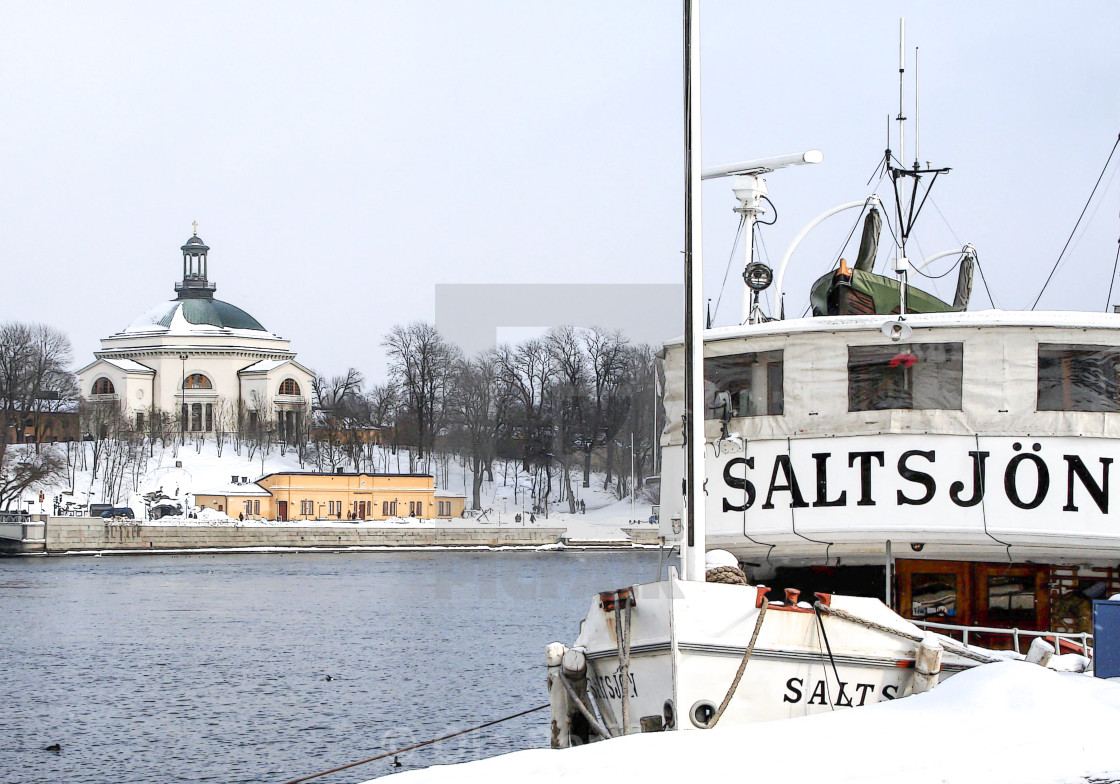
(215, 667)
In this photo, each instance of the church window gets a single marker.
(103, 386)
(197, 381)
(140, 421)
(289, 387)
(196, 417)
(208, 425)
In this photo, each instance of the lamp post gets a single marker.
(183, 400)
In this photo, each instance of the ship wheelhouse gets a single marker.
(963, 472)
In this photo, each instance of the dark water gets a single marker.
(214, 667)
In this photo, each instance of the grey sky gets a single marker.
(343, 158)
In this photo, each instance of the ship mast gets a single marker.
(692, 543)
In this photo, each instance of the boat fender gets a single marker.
(1040, 652)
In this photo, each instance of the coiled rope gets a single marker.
(945, 643)
(729, 575)
(418, 745)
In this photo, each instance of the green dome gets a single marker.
(213, 312)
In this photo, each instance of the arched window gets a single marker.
(289, 387)
(103, 386)
(197, 381)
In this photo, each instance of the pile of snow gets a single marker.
(1009, 723)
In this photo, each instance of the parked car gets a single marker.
(166, 510)
(95, 510)
(118, 513)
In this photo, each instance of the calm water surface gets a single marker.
(215, 667)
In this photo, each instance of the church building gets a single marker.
(205, 361)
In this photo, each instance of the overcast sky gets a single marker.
(343, 158)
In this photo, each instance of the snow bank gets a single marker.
(1010, 722)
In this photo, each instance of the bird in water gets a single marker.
(330, 677)
(396, 762)
(55, 747)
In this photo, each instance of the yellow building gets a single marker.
(314, 496)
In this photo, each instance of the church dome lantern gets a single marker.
(195, 284)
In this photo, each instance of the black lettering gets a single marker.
(978, 473)
(865, 459)
(739, 484)
(1099, 493)
(633, 685)
(822, 483)
(797, 501)
(918, 477)
(609, 683)
(842, 699)
(1010, 477)
(793, 686)
(818, 696)
(890, 692)
(863, 688)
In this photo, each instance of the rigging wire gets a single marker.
(984, 280)
(1077, 223)
(1113, 279)
(730, 259)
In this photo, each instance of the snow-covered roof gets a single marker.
(128, 366)
(264, 366)
(440, 493)
(201, 316)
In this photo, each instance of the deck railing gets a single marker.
(1083, 640)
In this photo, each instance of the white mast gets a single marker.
(692, 542)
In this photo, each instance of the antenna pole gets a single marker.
(917, 123)
(901, 72)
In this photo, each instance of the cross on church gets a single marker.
(196, 228)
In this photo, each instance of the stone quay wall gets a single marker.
(76, 534)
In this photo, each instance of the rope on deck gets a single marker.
(952, 648)
(418, 745)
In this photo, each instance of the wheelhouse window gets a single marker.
(289, 387)
(1078, 378)
(917, 375)
(103, 386)
(754, 382)
(197, 381)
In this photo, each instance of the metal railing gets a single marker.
(1082, 639)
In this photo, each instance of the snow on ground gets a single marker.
(181, 471)
(1006, 723)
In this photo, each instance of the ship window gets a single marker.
(1078, 378)
(754, 381)
(933, 596)
(917, 375)
(1011, 600)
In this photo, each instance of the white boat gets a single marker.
(897, 470)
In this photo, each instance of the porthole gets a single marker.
(669, 713)
(702, 714)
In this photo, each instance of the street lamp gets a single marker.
(183, 395)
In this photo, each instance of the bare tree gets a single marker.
(420, 361)
(25, 470)
(477, 411)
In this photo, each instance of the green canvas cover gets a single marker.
(884, 292)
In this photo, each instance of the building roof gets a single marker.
(127, 365)
(187, 315)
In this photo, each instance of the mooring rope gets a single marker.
(587, 714)
(418, 745)
(959, 651)
(742, 666)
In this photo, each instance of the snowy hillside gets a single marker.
(180, 472)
